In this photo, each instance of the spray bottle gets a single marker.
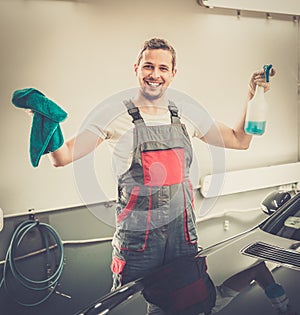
(255, 122)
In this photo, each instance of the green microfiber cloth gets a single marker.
(45, 135)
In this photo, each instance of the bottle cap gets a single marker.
(267, 69)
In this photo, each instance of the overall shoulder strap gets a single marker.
(175, 119)
(134, 112)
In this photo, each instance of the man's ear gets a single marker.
(135, 68)
(174, 71)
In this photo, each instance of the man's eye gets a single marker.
(164, 69)
(147, 67)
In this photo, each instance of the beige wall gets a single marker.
(81, 52)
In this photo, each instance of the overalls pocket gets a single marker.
(123, 213)
(133, 220)
(163, 167)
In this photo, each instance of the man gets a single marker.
(155, 217)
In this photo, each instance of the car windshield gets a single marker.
(286, 221)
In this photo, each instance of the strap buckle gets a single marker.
(135, 114)
(174, 112)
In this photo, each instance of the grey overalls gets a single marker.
(155, 213)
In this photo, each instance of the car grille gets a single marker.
(287, 257)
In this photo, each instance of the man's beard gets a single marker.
(152, 97)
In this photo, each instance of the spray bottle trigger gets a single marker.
(267, 69)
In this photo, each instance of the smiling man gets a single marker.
(155, 219)
(155, 70)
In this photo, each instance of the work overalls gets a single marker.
(155, 214)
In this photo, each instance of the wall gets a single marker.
(81, 52)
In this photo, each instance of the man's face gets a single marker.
(154, 73)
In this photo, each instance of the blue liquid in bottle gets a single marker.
(255, 121)
(255, 127)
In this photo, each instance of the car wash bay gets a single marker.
(68, 56)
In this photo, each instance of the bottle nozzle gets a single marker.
(267, 69)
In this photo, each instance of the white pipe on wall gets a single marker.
(275, 6)
(215, 185)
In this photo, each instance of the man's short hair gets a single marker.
(158, 43)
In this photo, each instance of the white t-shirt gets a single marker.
(118, 132)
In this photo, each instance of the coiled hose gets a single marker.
(48, 284)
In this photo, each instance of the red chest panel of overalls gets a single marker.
(163, 167)
(161, 152)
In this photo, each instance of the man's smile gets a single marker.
(153, 84)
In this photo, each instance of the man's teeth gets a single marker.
(153, 84)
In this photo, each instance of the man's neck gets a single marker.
(153, 107)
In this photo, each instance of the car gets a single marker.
(275, 240)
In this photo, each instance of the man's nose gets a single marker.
(155, 73)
